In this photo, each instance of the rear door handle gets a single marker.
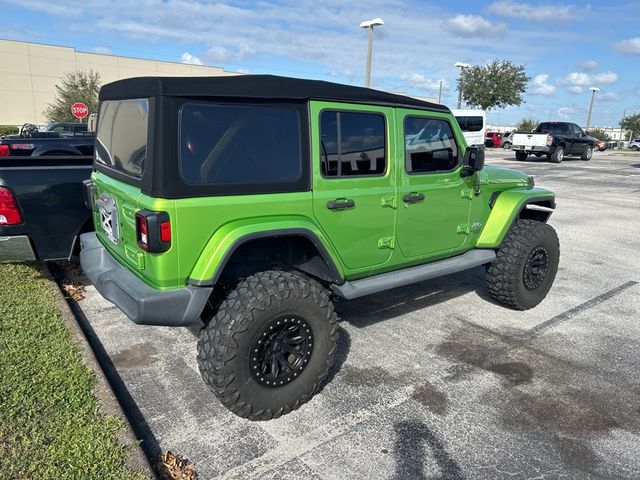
(341, 204)
(413, 198)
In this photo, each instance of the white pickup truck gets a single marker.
(555, 140)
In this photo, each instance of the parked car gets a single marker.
(492, 139)
(555, 140)
(266, 196)
(42, 209)
(507, 140)
(68, 129)
(635, 144)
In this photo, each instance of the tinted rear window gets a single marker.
(121, 141)
(470, 123)
(553, 128)
(239, 144)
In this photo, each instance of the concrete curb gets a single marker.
(107, 398)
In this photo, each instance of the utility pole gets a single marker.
(624, 114)
(461, 66)
(440, 93)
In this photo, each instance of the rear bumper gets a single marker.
(143, 304)
(16, 248)
(543, 149)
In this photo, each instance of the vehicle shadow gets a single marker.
(369, 310)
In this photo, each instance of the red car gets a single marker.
(492, 139)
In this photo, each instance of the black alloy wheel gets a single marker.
(281, 351)
(536, 267)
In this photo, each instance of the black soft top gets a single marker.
(257, 87)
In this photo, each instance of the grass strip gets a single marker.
(50, 421)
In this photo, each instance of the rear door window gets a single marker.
(121, 141)
(239, 145)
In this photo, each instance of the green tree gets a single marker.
(599, 134)
(527, 124)
(82, 86)
(632, 124)
(498, 84)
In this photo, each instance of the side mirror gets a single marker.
(473, 159)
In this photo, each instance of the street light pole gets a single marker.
(369, 24)
(593, 96)
(440, 93)
(461, 66)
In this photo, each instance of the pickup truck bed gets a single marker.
(49, 195)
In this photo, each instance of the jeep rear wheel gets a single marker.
(521, 156)
(525, 266)
(270, 344)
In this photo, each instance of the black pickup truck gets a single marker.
(555, 140)
(42, 210)
(31, 142)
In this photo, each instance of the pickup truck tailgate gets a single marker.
(528, 140)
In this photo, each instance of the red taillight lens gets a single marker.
(153, 231)
(143, 231)
(9, 211)
(4, 150)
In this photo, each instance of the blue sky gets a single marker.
(566, 47)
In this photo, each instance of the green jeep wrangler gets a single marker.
(250, 202)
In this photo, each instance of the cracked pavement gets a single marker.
(435, 380)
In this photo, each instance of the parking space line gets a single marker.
(296, 447)
(566, 315)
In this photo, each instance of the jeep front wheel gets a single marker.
(525, 266)
(270, 344)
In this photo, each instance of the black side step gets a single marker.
(407, 276)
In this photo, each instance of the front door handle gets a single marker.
(341, 204)
(413, 197)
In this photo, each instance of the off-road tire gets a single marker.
(506, 274)
(521, 156)
(226, 342)
(587, 154)
(557, 156)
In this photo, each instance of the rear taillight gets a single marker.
(9, 211)
(4, 150)
(549, 140)
(153, 231)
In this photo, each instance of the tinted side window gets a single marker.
(470, 124)
(239, 144)
(121, 141)
(352, 144)
(429, 145)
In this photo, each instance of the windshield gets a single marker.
(121, 141)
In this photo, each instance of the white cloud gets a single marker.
(541, 87)
(589, 66)
(475, 26)
(578, 81)
(217, 54)
(609, 97)
(565, 113)
(537, 13)
(605, 78)
(102, 50)
(418, 81)
(632, 45)
(190, 59)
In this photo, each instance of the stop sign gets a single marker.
(79, 110)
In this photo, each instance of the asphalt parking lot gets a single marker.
(435, 380)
